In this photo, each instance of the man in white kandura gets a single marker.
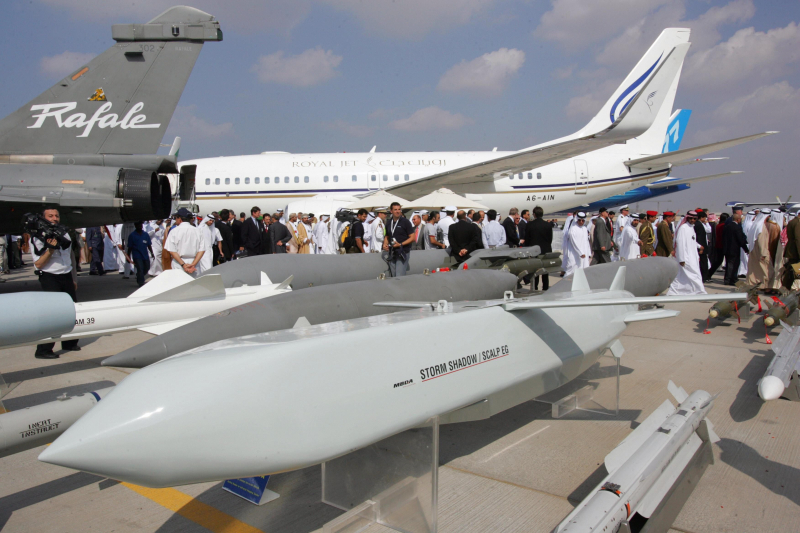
(205, 232)
(629, 240)
(580, 251)
(687, 252)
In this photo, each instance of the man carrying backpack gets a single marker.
(357, 234)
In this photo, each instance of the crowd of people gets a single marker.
(761, 246)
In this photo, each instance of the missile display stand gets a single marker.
(394, 482)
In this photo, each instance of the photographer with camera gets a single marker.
(399, 236)
(52, 258)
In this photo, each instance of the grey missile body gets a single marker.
(644, 277)
(317, 305)
(36, 315)
(34, 426)
(312, 270)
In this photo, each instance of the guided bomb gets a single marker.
(781, 309)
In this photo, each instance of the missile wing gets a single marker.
(362, 380)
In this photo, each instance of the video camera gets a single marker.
(43, 230)
(345, 215)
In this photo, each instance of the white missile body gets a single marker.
(645, 465)
(784, 364)
(172, 299)
(295, 398)
(34, 426)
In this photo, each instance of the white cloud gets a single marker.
(577, 23)
(486, 75)
(771, 104)
(431, 119)
(411, 19)
(589, 104)
(563, 72)
(309, 68)
(187, 125)
(749, 56)
(354, 130)
(63, 64)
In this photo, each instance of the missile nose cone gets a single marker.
(769, 321)
(713, 314)
(770, 388)
(139, 356)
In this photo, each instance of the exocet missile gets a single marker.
(170, 300)
(781, 309)
(320, 392)
(315, 305)
(644, 467)
(30, 316)
(780, 370)
(312, 270)
(34, 426)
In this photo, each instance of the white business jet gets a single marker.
(618, 150)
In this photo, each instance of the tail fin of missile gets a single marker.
(618, 284)
(579, 281)
(121, 101)
(209, 286)
(265, 279)
(169, 279)
(286, 284)
(679, 393)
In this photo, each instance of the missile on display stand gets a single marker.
(724, 309)
(318, 392)
(315, 305)
(29, 316)
(781, 309)
(782, 370)
(646, 465)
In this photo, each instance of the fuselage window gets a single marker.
(372, 178)
(530, 175)
(247, 181)
(227, 181)
(538, 175)
(355, 178)
(385, 177)
(406, 177)
(236, 181)
(305, 179)
(258, 180)
(325, 179)
(208, 181)
(286, 179)
(216, 181)
(336, 179)
(266, 179)
(397, 177)
(297, 179)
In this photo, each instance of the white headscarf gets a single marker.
(777, 217)
(755, 229)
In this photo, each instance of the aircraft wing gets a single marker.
(664, 184)
(679, 156)
(635, 118)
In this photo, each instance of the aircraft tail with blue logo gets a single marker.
(675, 130)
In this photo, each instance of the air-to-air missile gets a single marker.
(724, 309)
(319, 392)
(34, 426)
(172, 299)
(315, 305)
(780, 309)
(30, 316)
(646, 465)
(783, 368)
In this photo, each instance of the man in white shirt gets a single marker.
(183, 244)
(494, 234)
(446, 222)
(378, 229)
(53, 264)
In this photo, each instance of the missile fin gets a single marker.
(265, 279)
(650, 315)
(579, 281)
(664, 483)
(706, 431)
(302, 322)
(204, 287)
(632, 442)
(158, 329)
(283, 286)
(677, 392)
(619, 280)
(169, 279)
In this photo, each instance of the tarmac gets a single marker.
(521, 470)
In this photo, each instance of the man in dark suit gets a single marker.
(524, 219)
(252, 233)
(476, 221)
(279, 235)
(602, 243)
(733, 241)
(510, 225)
(703, 240)
(236, 228)
(94, 240)
(539, 233)
(463, 238)
(226, 233)
(419, 238)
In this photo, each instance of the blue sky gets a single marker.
(344, 75)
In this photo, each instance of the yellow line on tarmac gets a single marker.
(200, 513)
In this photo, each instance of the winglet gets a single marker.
(579, 281)
(619, 280)
(286, 283)
(677, 392)
(265, 279)
(209, 286)
(302, 322)
(176, 147)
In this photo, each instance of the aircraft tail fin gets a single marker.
(675, 130)
(121, 102)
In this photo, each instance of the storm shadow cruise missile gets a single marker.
(780, 309)
(315, 305)
(320, 392)
(646, 465)
(783, 367)
(34, 426)
(312, 270)
(33, 315)
(170, 300)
